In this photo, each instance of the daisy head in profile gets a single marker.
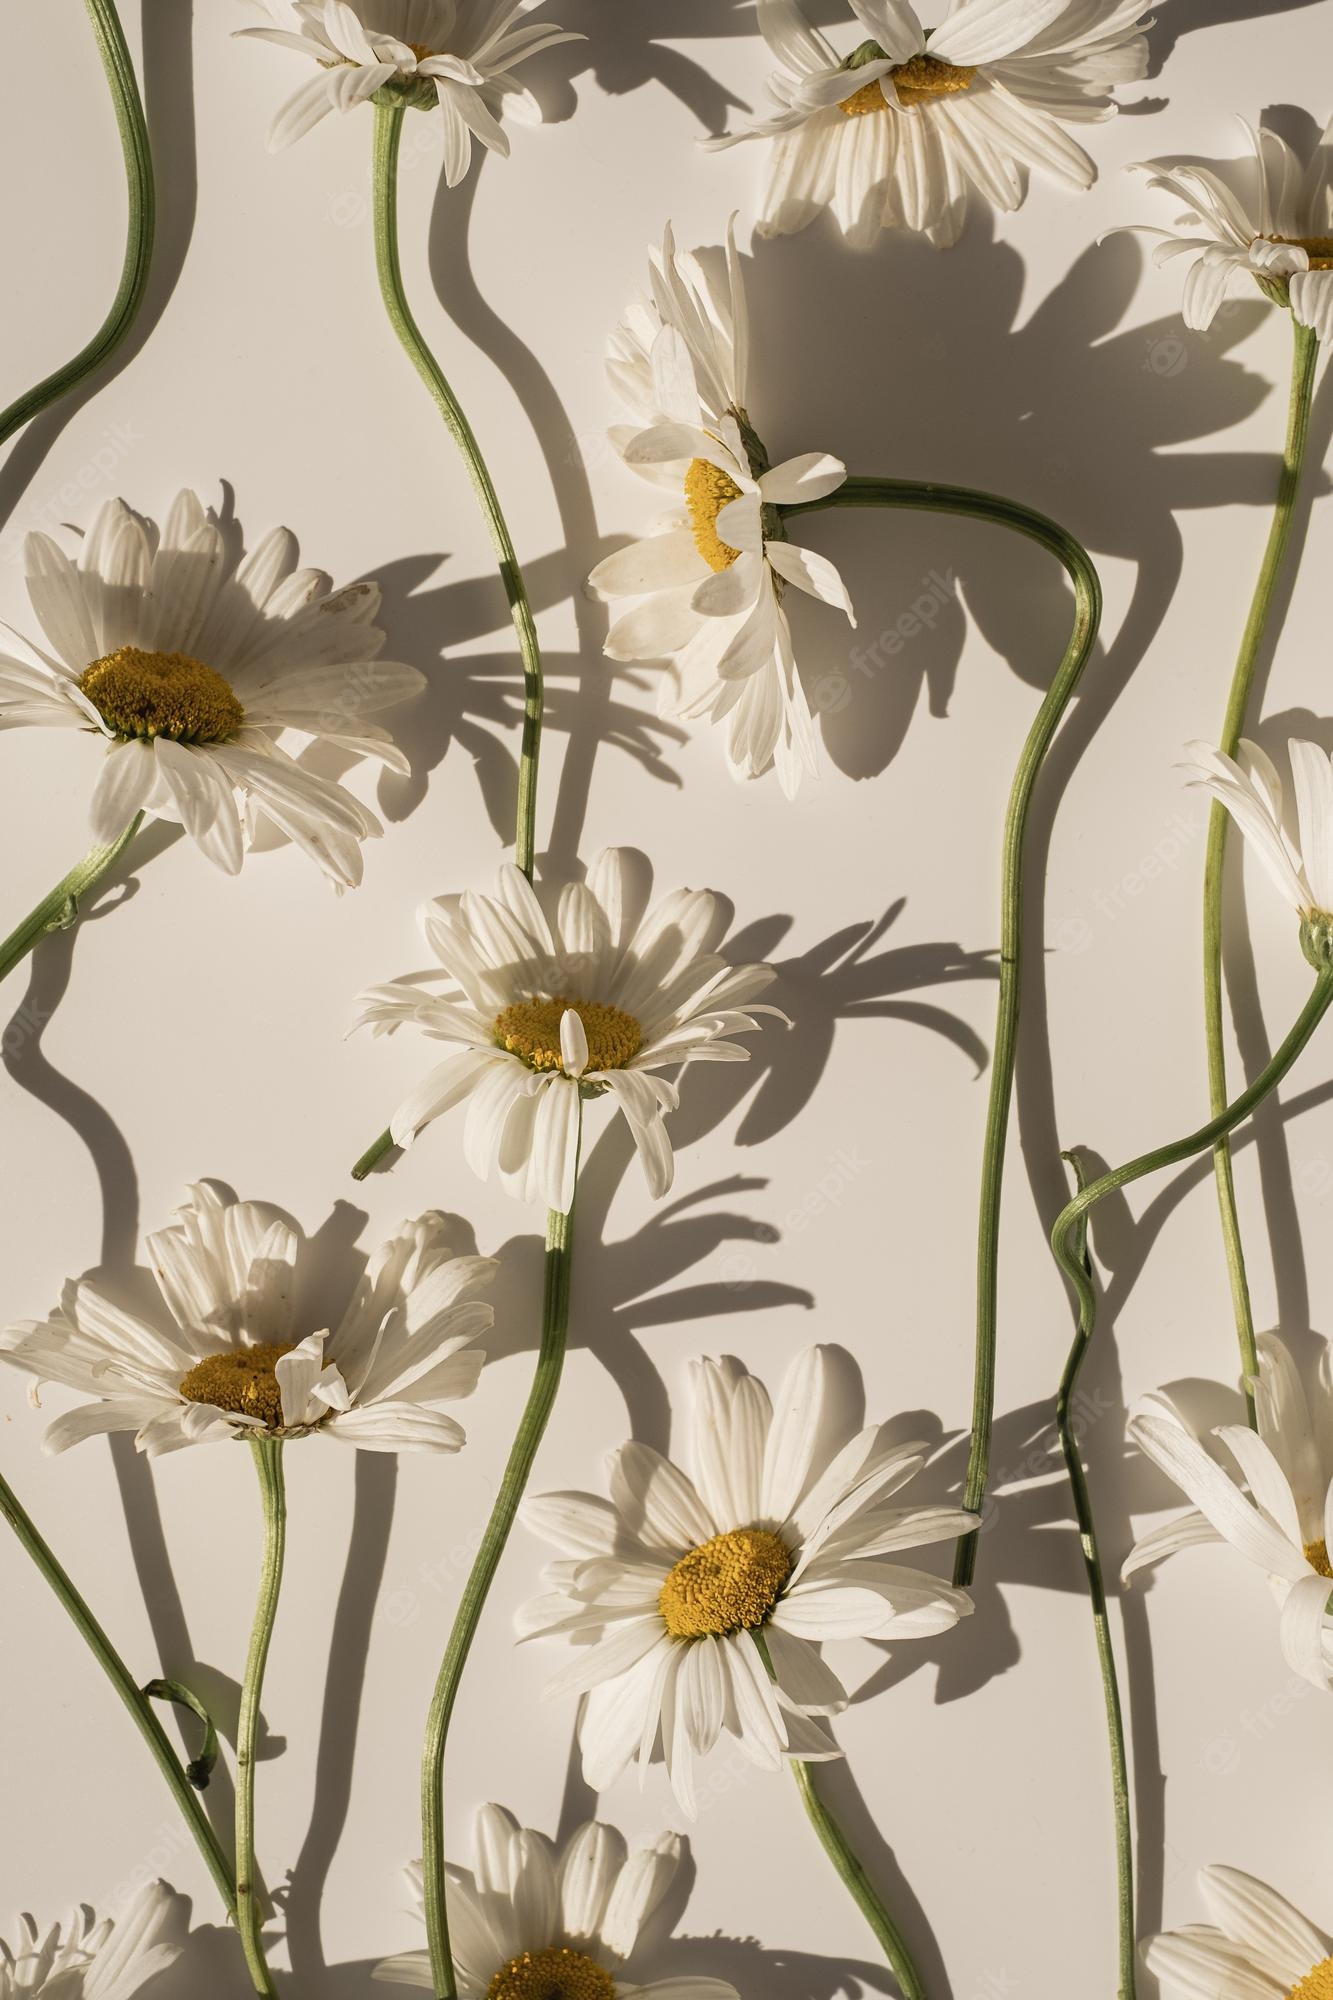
(459, 54)
(188, 666)
(1299, 864)
(699, 1604)
(85, 1959)
(1266, 218)
(536, 1920)
(1273, 1502)
(707, 589)
(566, 992)
(896, 129)
(225, 1355)
(1257, 1945)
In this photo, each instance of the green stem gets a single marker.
(1078, 564)
(388, 133)
(1068, 1242)
(140, 1708)
(139, 237)
(531, 1428)
(1304, 360)
(267, 1452)
(859, 1886)
(60, 910)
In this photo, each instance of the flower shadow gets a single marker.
(474, 699)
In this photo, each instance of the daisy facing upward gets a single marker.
(897, 131)
(533, 1921)
(553, 996)
(225, 1358)
(186, 667)
(699, 1606)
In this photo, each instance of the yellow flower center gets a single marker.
(530, 1029)
(727, 1585)
(707, 491)
(1319, 249)
(420, 51)
(916, 82)
(554, 1974)
(1317, 1983)
(1316, 1554)
(162, 694)
(241, 1379)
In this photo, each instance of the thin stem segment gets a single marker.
(139, 233)
(137, 1703)
(531, 1429)
(388, 135)
(1304, 361)
(60, 910)
(1068, 1242)
(267, 1454)
(859, 1885)
(927, 498)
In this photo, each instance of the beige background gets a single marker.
(827, 1191)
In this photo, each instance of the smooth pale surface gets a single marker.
(828, 1191)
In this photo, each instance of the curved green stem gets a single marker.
(60, 910)
(1304, 360)
(859, 1886)
(388, 134)
(531, 1428)
(1068, 1242)
(267, 1452)
(1003, 513)
(136, 1701)
(139, 236)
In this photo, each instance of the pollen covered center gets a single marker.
(558, 1973)
(708, 489)
(916, 81)
(139, 694)
(727, 1585)
(1317, 1983)
(421, 51)
(530, 1029)
(241, 1379)
(1316, 1554)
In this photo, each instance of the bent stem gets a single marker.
(139, 234)
(859, 1886)
(60, 910)
(388, 134)
(1304, 359)
(1078, 565)
(531, 1428)
(267, 1453)
(140, 1708)
(1068, 1243)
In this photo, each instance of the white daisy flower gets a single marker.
(896, 132)
(1258, 1947)
(562, 996)
(1270, 218)
(1251, 790)
(676, 1589)
(226, 1360)
(708, 584)
(534, 1921)
(189, 665)
(459, 53)
(1280, 1517)
(88, 1960)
